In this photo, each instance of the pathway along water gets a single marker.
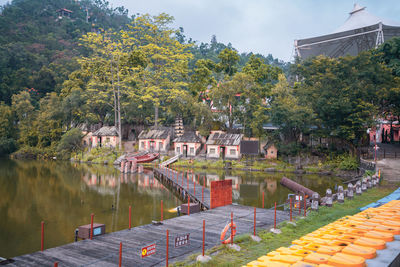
(64, 194)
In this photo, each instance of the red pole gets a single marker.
(202, 194)
(162, 210)
(120, 254)
(42, 237)
(275, 217)
(375, 146)
(263, 200)
(299, 206)
(130, 217)
(204, 230)
(305, 205)
(290, 209)
(254, 232)
(91, 226)
(166, 262)
(188, 205)
(231, 228)
(56, 264)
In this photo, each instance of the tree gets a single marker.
(7, 142)
(165, 76)
(230, 98)
(344, 94)
(288, 112)
(71, 141)
(24, 111)
(228, 61)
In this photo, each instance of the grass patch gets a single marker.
(98, 155)
(251, 250)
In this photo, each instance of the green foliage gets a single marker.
(7, 145)
(37, 47)
(71, 141)
(345, 162)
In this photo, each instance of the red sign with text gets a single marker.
(148, 250)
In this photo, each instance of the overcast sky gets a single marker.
(259, 26)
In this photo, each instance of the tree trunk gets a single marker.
(156, 115)
(119, 111)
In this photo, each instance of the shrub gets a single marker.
(71, 140)
(7, 146)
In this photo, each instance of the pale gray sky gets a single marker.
(259, 26)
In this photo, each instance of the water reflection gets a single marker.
(64, 195)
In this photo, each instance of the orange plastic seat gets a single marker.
(370, 242)
(345, 260)
(365, 252)
(317, 258)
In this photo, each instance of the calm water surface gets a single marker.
(64, 195)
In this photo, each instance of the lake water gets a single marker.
(64, 194)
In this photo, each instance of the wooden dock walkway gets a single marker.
(104, 250)
(184, 185)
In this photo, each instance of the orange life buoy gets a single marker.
(223, 233)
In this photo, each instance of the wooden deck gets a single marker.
(103, 250)
(183, 185)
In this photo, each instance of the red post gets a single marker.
(254, 231)
(42, 237)
(290, 209)
(130, 217)
(188, 205)
(202, 194)
(263, 200)
(162, 210)
(166, 260)
(299, 206)
(204, 234)
(91, 226)
(305, 206)
(231, 228)
(120, 254)
(275, 217)
(56, 264)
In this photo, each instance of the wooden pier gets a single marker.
(104, 250)
(184, 186)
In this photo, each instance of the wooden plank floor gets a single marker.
(186, 184)
(103, 250)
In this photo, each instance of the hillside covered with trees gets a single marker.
(98, 66)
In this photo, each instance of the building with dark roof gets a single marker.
(188, 144)
(224, 145)
(106, 136)
(155, 139)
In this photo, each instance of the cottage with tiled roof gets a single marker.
(188, 144)
(106, 136)
(155, 139)
(224, 145)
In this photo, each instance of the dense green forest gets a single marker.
(97, 65)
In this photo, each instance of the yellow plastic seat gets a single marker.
(388, 237)
(323, 249)
(286, 258)
(345, 260)
(365, 252)
(317, 258)
(304, 264)
(370, 242)
(388, 229)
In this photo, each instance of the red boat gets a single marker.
(149, 157)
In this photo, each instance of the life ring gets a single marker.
(223, 233)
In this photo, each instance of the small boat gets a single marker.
(147, 158)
